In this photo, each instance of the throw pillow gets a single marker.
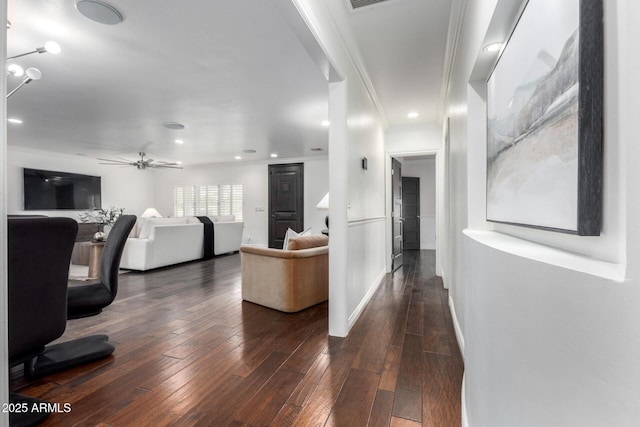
(290, 234)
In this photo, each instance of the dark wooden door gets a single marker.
(286, 201)
(411, 213)
(396, 213)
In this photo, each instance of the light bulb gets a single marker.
(15, 70)
(52, 47)
(33, 73)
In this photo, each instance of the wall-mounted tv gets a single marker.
(48, 190)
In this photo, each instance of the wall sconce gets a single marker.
(365, 163)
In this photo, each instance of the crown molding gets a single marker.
(349, 46)
(456, 21)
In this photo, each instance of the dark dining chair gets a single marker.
(89, 300)
(39, 254)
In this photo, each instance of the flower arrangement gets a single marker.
(107, 216)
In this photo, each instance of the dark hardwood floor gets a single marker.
(190, 352)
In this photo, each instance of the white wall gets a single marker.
(549, 321)
(255, 180)
(127, 188)
(356, 131)
(413, 138)
(425, 169)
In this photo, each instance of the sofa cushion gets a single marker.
(307, 242)
(149, 223)
(222, 218)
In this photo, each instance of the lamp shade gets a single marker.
(150, 213)
(323, 205)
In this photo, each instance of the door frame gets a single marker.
(441, 209)
(397, 260)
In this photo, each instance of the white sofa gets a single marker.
(158, 242)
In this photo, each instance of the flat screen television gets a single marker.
(49, 190)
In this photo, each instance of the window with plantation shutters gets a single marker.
(208, 200)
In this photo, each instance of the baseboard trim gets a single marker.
(360, 308)
(456, 326)
(463, 401)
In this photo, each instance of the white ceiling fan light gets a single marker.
(99, 12)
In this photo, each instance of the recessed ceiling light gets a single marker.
(179, 141)
(249, 151)
(325, 123)
(99, 12)
(173, 125)
(274, 155)
(492, 47)
(238, 158)
(13, 120)
(413, 115)
(178, 162)
(317, 149)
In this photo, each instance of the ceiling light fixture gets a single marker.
(326, 123)
(15, 70)
(492, 47)
(274, 155)
(50, 46)
(31, 74)
(173, 125)
(15, 121)
(413, 115)
(99, 12)
(238, 158)
(179, 141)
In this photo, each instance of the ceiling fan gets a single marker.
(142, 163)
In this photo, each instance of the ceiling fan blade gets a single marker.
(115, 162)
(165, 166)
(148, 160)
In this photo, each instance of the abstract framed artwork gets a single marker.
(544, 120)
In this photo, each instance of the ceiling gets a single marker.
(233, 72)
(402, 44)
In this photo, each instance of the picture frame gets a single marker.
(544, 120)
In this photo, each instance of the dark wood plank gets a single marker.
(354, 403)
(442, 387)
(381, 411)
(190, 352)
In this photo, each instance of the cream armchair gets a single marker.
(287, 280)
